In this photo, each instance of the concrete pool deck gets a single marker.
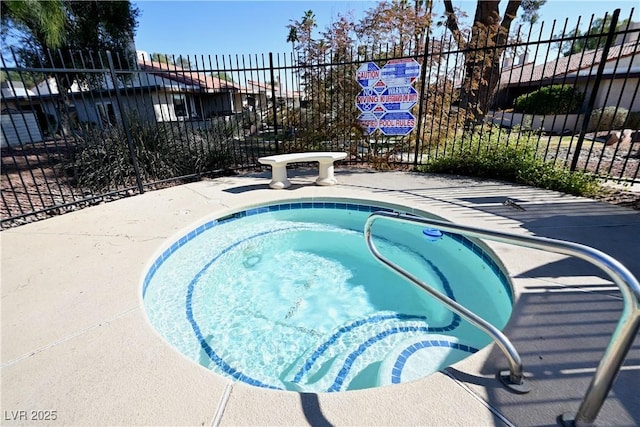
(75, 339)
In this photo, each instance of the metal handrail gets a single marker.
(622, 337)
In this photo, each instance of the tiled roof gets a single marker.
(557, 69)
(280, 91)
(188, 77)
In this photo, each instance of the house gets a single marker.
(184, 94)
(21, 115)
(156, 91)
(259, 95)
(618, 87)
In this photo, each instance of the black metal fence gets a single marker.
(101, 127)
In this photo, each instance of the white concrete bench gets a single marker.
(279, 164)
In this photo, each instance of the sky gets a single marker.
(208, 27)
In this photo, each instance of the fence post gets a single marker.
(274, 105)
(125, 123)
(594, 90)
(423, 76)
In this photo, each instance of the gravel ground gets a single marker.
(617, 161)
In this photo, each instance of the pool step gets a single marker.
(351, 351)
(421, 355)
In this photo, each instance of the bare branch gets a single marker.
(452, 25)
(509, 15)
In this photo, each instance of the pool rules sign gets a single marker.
(387, 96)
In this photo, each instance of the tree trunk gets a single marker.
(482, 54)
(481, 77)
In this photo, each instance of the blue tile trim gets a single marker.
(343, 330)
(479, 251)
(455, 322)
(215, 358)
(351, 358)
(396, 372)
(304, 205)
(253, 211)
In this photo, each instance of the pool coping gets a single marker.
(58, 308)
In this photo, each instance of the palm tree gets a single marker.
(309, 22)
(292, 37)
(46, 21)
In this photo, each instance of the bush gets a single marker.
(607, 118)
(498, 160)
(633, 120)
(102, 161)
(556, 99)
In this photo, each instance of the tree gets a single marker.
(162, 58)
(223, 76)
(39, 27)
(70, 35)
(292, 38)
(300, 31)
(397, 23)
(44, 21)
(590, 39)
(183, 62)
(483, 50)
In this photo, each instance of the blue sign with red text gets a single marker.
(368, 74)
(387, 96)
(397, 123)
(398, 98)
(368, 121)
(366, 100)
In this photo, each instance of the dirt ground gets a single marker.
(34, 179)
(624, 198)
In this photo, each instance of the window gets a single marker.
(180, 105)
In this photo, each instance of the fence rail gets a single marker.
(101, 127)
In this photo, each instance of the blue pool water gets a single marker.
(288, 296)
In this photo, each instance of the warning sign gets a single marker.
(399, 98)
(368, 74)
(397, 123)
(388, 96)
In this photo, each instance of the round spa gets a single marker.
(287, 296)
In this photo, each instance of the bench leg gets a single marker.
(325, 172)
(279, 178)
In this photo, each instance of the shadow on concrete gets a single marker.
(561, 332)
(312, 411)
(561, 337)
(292, 173)
(252, 187)
(245, 188)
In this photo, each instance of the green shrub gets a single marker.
(556, 99)
(514, 163)
(607, 118)
(633, 120)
